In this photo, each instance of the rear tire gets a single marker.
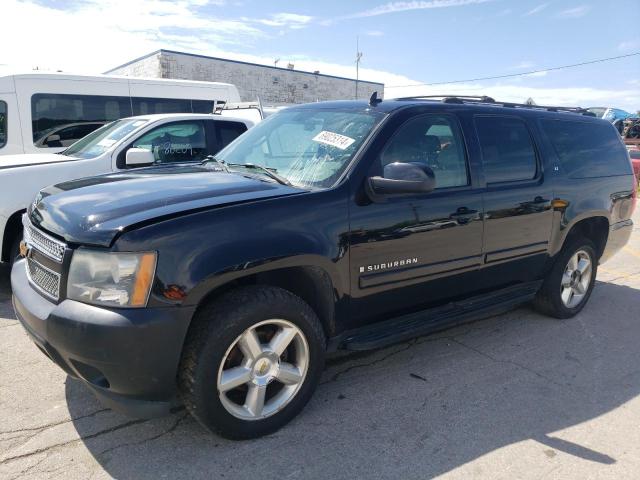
(569, 284)
(251, 361)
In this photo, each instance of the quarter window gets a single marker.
(587, 149)
(3, 124)
(508, 154)
(175, 142)
(434, 141)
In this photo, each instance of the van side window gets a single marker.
(507, 150)
(587, 149)
(55, 116)
(147, 106)
(176, 142)
(3, 124)
(229, 131)
(435, 141)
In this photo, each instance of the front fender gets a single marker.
(200, 252)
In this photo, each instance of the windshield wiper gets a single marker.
(269, 172)
(222, 163)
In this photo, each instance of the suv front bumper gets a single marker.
(128, 357)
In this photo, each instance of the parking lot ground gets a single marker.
(516, 396)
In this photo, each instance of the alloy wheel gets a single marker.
(576, 279)
(263, 369)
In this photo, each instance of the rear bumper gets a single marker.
(128, 357)
(619, 234)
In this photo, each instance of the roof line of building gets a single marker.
(162, 50)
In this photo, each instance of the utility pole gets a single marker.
(358, 58)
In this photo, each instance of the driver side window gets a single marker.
(175, 142)
(434, 141)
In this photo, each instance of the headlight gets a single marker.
(111, 278)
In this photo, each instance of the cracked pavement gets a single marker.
(514, 396)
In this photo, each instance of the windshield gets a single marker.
(102, 139)
(310, 148)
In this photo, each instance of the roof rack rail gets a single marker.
(462, 99)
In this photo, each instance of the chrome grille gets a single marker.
(45, 280)
(42, 242)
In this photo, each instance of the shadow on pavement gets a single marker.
(415, 410)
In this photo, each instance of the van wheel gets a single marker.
(568, 285)
(251, 361)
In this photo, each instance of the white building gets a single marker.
(273, 85)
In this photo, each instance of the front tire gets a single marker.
(251, 361)
(570, 282)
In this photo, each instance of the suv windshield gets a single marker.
(309, 147)
(102, 139)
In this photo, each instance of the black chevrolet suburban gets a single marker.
(340, 225)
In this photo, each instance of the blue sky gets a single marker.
(402, 42)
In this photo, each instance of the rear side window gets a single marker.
(587, 149)
(229, 131)
(508, 154)
(3, 124)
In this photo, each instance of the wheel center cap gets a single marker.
(264, 369)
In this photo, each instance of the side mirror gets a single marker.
(403, 179)
(52, 139)
(138, 157)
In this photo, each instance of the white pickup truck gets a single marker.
(120, 145)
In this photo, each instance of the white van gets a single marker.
(47, 112)
(117, 146)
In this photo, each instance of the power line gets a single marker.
(495, 77)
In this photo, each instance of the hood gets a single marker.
(29, 159)
(95, 210)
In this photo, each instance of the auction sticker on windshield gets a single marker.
(334, 139)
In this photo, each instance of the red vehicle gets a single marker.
(634, 153)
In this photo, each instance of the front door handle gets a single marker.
(464, 215)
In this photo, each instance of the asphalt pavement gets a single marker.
(516, 396)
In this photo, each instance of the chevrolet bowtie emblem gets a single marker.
(24, 249)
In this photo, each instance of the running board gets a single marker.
(413, 325)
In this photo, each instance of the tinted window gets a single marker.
(229, 131)
(432, 140)
(3, 124)
(148, 106)
(202, 106)
(587, 149)
(175, 142)
(507, 150)
(51, 113)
